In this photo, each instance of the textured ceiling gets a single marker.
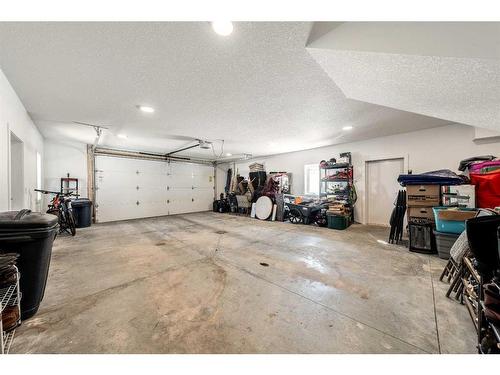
(258, 89)
(444, 70)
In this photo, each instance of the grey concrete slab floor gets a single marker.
(219, 283)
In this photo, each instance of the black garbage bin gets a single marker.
(30, 234)
(82, 212)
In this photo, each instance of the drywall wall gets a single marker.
(424, 150)
(220, 178)
(61, 158)
(15, 119)
(486, 136)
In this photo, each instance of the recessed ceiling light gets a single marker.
(347, 128)
(122, 136)
(229, 154)
(223, 28)
(145, 108)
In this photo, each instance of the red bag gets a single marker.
(487, 189)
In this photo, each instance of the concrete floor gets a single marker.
(194, 284)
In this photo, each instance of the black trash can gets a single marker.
(31, 236)
(82, 212)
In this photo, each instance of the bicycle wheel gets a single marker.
(70, 222)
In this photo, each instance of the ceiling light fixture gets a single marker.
(223, 28)
(122, 136)
(145, 108)
(229, 154)
(347, 128)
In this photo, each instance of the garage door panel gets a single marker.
(203, 176)
(159, 188)
(180, 194)
(180, 180)
(152, 192)
(175, 207)
(116, 179)
(202, 199)
(203, 180)
(150, 209)
(152, 182)
(202, 169)
(149, 178)
(117, 211)
(179, 202)
(116, 195)
(150, 167)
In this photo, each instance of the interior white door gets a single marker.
(16, 167)
(382, 189)
(131, 188)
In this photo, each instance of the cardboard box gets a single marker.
(421, 212)
(455, 215)
(423, 190)
(423, 195)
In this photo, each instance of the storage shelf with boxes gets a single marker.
(434, 227)
(459, 196)
(336, 189)
(439, 204)
(428, 193)
(420, 201)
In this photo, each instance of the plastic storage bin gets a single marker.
(31, 236)
(444, 243)
(450, 226)
(482, 234)
(337, 221)
(82, 212)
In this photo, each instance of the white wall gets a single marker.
(61, 158)
(220, 178)
(424, 150)
(14, 118)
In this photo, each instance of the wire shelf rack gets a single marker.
(9, 296)
(7, 341)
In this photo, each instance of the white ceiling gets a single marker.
(258, 89)
(447, 70)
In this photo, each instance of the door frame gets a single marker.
(366, 195)
(10, 133)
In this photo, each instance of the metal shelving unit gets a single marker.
(70, 185)
(9, 296)
(347, 183)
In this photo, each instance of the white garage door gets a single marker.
(132, 188)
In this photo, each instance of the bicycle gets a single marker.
(60, 206)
